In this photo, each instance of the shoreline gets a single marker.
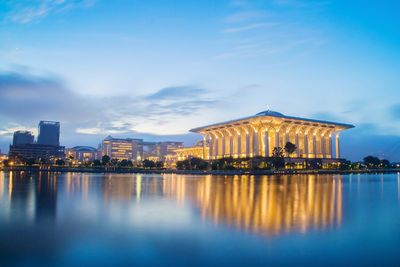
(192, 172)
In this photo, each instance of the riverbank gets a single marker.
(192, 172)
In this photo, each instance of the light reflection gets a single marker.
(269, 205)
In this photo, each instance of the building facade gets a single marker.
(83, 153)
(49, 133)
(258, 135)
(119, 148)
(36, 151)
(23, 138)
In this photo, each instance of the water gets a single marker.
(181, 220)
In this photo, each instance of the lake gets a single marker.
(81, 219)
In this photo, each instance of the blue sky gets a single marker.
(151, 68)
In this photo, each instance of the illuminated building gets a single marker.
(159, 150)
(258, 135)
(83, 153)
(119, 148)
(36, 151)
(3, 157)
(23, 138)
(195, 151)
(47, 146)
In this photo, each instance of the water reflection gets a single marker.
(268, 205)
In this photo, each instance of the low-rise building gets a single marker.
(123, 148)
(36, 151)
(83, 153)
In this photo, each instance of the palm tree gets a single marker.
(290, 148)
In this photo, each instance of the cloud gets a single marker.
(176, 93)
(27, 97)
(24, 95)
(249, 27)
(244, 16)
(26, 11)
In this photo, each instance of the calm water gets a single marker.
(179, 220)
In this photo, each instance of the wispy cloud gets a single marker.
(28, 11)
(249, 27)
(28, 98)
(245, 16)
(268, 30)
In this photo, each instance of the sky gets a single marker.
(155, 69)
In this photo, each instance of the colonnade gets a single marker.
(248, 140)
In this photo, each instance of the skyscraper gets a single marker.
(49, 133)
(22, 138)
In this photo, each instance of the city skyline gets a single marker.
(154, 70)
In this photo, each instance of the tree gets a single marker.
(160, 164)
(290, 148)
(60, 162)
(114, 162)
(371, 161)
(30, 161)
(277, 152)
(126, 163)
(148, 164)
(385, 163)
(277, 159)
(96, 162)
(105, 160)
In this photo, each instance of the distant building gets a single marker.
(123, 148)
(3, 157)
(36, 151)
(47, 146)
(159, 150)
(83, 153)
(49, 133)
(23, 138)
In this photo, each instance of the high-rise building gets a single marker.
(22, 138)
(47, 146)
(118, 148)
(49, 133)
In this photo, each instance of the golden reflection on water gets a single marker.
(269, 205)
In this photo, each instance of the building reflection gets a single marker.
(269, 205)
(28, 198)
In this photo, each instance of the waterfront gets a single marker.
(94, 219)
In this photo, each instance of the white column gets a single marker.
(306, 145)
(323, 146)
(266, 143)
(231, 145)
(330, 151)
(296, 141)
(216, 144)
(204, 147)
(337, 145)
(255, 144)
(239, 145)
(223, 140)
(211, 145)
(287, 137)
(247, 145)
(315, 145)
(277, 144)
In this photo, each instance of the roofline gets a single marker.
(345, 125)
